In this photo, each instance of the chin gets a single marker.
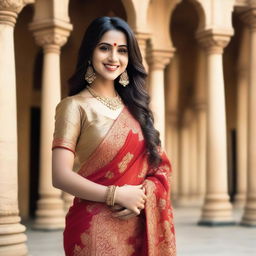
(110, 77)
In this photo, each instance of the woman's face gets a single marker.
(110, 57)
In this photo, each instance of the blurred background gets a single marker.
(200, 56)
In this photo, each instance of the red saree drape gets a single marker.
(121, 159)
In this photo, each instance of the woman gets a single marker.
(104, 130)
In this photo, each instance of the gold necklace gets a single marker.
(112, 103)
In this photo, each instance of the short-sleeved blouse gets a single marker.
(81, 123)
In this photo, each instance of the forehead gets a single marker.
(114, 36)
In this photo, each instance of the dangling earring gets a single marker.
(89, 75)
(124, 79)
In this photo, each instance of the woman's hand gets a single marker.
(131, 197)
(122, 213)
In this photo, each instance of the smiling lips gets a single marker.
(111, 67)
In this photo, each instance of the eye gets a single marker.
(123, 50)
(104, 48)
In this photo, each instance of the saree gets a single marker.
(121, 158)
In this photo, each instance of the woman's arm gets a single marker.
(131, 197)
(65, 179)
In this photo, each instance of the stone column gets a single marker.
(172, 149)
(12, 237)
(249, 216)
(142, 41)
(172, 144)
(193, 160)
(50, 212)
(157, 60)
(184, 161)
(217, 209)
(200, 109)
(201, 149)
(242, 119)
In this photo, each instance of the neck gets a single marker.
(104, 88)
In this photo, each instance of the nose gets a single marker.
(113, 56)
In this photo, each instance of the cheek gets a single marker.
(124, 61)
(98, 56)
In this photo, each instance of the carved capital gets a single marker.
(9, 10)
(142, 37)
(8, 17)
(11, 5)
(50, 41)
(158, 59)
(51, 35)
(214, 41)
(249, 18)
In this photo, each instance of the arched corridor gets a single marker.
(200, 56)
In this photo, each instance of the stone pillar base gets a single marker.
(12, 240)
(240, 200)
(14, 250)
(50, 214)
(217, 211)
(249, 217)
(212, 223)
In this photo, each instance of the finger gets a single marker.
(121, 213)
(126, 217)
(143, 203)
(136, 211)
(117, 207)
(141, 206)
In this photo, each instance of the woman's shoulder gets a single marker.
(76, 100)
(79, 104)
(67, 103)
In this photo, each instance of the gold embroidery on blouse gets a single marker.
(144, 169)
(125, 161)
(109, 175)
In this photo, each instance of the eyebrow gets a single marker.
(122, 45)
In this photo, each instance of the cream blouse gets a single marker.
(81, 123)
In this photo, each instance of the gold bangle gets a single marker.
(108, 195)
(113, 196)
(110, 198)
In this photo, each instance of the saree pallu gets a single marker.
(120, 159)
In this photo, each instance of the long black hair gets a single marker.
(134, 95)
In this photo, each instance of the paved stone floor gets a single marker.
(192, 240)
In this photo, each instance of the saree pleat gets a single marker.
(121, 158)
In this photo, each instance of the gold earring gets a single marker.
(89, 75)
(124, 79)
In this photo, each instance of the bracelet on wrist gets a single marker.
(111, 194)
